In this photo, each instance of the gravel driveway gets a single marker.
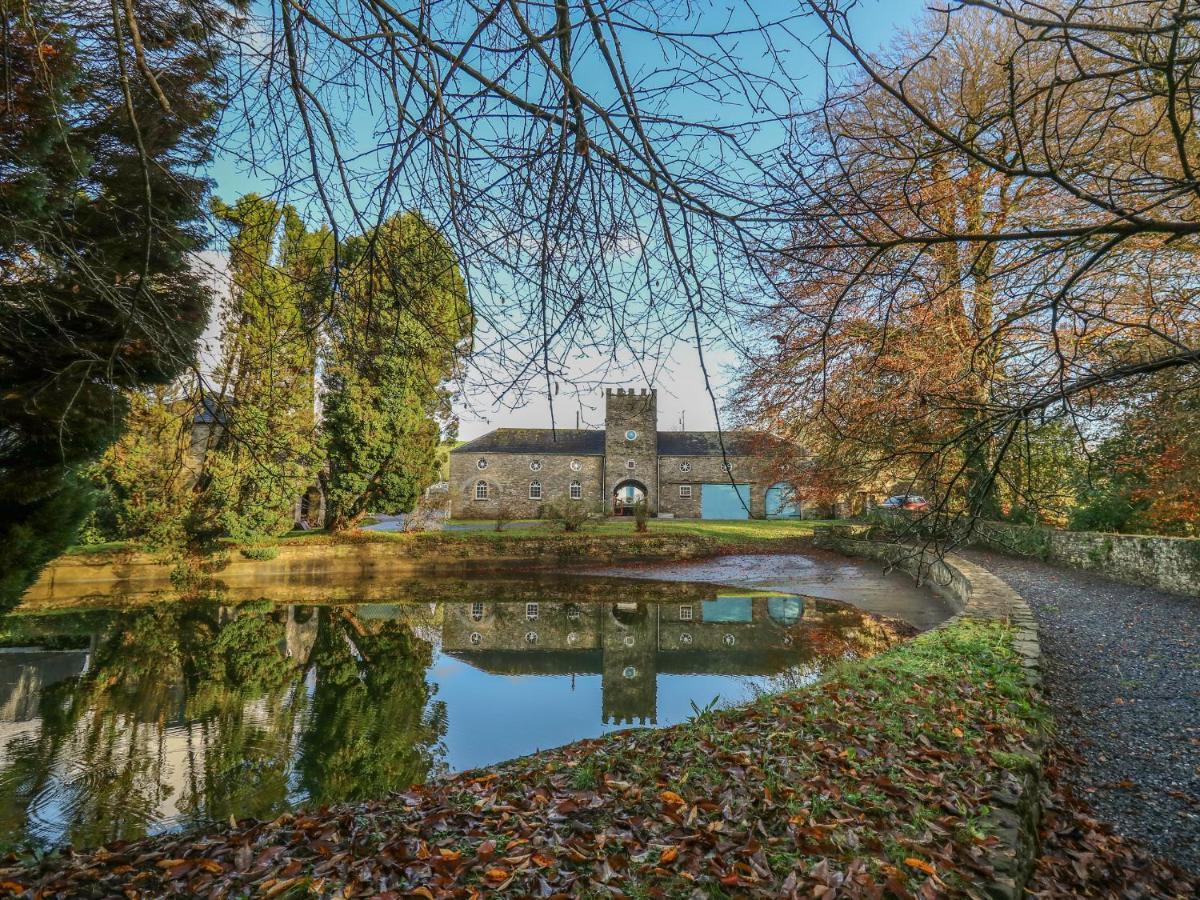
(1122, 669)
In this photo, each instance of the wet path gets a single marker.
(1122, 668)
(815, 573)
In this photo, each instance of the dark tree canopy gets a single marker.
(105, 124)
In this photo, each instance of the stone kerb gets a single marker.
(977, 594)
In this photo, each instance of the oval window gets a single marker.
(631, 435)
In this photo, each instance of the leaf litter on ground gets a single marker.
(872, 783)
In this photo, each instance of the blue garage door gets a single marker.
(725, 501)
(780, 503)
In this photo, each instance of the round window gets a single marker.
(631, 435)
(531, 637)
(482, 463)
(726, 467)
(476, 637)
(535, 465)
(729, 640)
(576, 465)
(685, 638)
(685, 467)
(629, 672)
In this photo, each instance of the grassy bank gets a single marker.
(880, 775)
(733, 533)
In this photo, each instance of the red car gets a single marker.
(906, 502)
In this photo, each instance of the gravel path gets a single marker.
(1122, 669)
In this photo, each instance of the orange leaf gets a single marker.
(541, 860)
(956, 731)
(919, 864)
(671, 798)
(668, 855)
(422, 892)
(496, 874)
(449, 854)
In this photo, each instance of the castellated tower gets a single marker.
(631, 443)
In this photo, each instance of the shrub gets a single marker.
(571, 514)
(263, 553)
(641, 514)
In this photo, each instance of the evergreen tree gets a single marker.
(146, 476)
(101, 143)
(399, 330)
(267, 452)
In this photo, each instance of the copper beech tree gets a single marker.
(994, 224)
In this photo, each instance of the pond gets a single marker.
(115, 723)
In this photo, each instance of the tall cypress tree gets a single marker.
(102, 138)
(267, 453)
(399, 329)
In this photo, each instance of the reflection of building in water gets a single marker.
(629, 644)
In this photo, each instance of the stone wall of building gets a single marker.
(631, 411)
(701, 469)
(508, 476)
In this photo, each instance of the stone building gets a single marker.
(685, 474)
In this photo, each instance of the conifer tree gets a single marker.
(105, 122)
(399, 330)
(267, 452)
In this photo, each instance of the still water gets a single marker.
(115, 723)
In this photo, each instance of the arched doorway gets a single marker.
(782, 502)
(626, 495)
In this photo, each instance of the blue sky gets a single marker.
(682, 398)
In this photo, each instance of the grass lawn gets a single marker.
(750, 531)
(880, 776)
(735, 531)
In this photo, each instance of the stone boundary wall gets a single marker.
(1168, 563)
(976, 593)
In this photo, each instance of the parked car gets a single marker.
(906, 502)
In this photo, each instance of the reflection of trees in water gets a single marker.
(197, 710)
(372, 728)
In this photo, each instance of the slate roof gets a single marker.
(579, 442)
(210, 411)
(708, 443)
(590, 442)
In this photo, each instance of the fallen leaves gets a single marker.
(1081, 857)
(851, 789)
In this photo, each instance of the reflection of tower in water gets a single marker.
(630, 678)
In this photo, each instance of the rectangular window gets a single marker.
(476, 611)
(576, 490)
(481, 491)
(685, 491)
(685, 614)
(535, 490)
(531, 611)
